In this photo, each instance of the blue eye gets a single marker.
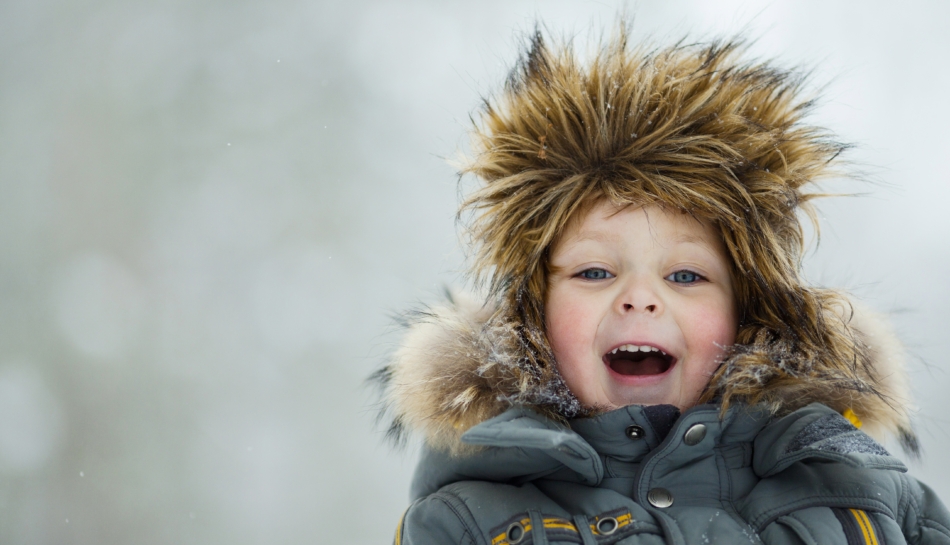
(595, 274)
(684, 277)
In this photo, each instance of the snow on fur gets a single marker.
(693, 128)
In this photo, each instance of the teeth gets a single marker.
(635, 348)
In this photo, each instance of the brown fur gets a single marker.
(458, 366)
(693, 128)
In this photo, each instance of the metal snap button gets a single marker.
(515, 533)
(607, 526)
(694, 434)
(660, 497)
(635, 432)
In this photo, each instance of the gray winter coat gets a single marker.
(498, 467)
(808, 478)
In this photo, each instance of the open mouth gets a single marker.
(631, 359)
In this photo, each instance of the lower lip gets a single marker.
(639, 380)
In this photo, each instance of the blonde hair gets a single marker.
(692, 127)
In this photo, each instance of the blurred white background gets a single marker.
(209, 212)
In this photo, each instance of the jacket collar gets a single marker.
(521, 445)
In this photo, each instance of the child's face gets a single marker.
(639, 276)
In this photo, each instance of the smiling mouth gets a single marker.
(638, 361)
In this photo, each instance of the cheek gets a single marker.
(560, 316)
(720, 329)
(568, 339)
(713, 329)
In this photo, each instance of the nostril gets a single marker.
(651, 308)
(627, 306)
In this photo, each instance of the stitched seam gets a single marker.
(670, 530)
(930, 523)
(875, 523)
(725, 477)
(848, 525)
(801, 520)
(582, 523)
(797, 526)
(627, 526)
(903, 503)
(539, 532)
(726, 499)
(655, 461)
(864, 523)
(457, 505)
(769, 516)
(402, 520)
(800, 455)
(915, 506)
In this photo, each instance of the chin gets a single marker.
(650, 389)
(623, 397)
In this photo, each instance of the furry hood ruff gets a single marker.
(459, 364)
(694, 128)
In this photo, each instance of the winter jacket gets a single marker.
(808, 478)
(756, 474)
(512, 456)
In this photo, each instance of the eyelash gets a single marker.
(698, 277)
(672, 277)
(583, 274)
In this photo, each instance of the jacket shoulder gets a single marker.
(824, 499)
(440, 517)
(474, 511)
(814, 457)
(817, 433)
(923, 517)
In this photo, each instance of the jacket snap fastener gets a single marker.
(660, 497)
(607, 526)
(515, 533)
(635, 432)
(694, 434)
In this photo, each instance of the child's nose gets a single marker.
(640, 297)
(648, 308)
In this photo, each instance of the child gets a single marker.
(649, 366)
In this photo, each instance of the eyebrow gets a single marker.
(693, 239)
(599, 236)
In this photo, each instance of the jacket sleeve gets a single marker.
(925, 519)
(438, 519)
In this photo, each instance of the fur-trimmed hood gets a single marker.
(460, 364)
(694, 128)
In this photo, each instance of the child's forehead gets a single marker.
(605, 221)
(608, 229)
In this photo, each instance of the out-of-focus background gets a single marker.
(209, 212)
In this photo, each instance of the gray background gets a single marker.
(209, 210)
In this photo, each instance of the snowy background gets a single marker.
(209, 210)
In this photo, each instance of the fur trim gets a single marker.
(874, 386)
(693, 128)
(458, 366)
